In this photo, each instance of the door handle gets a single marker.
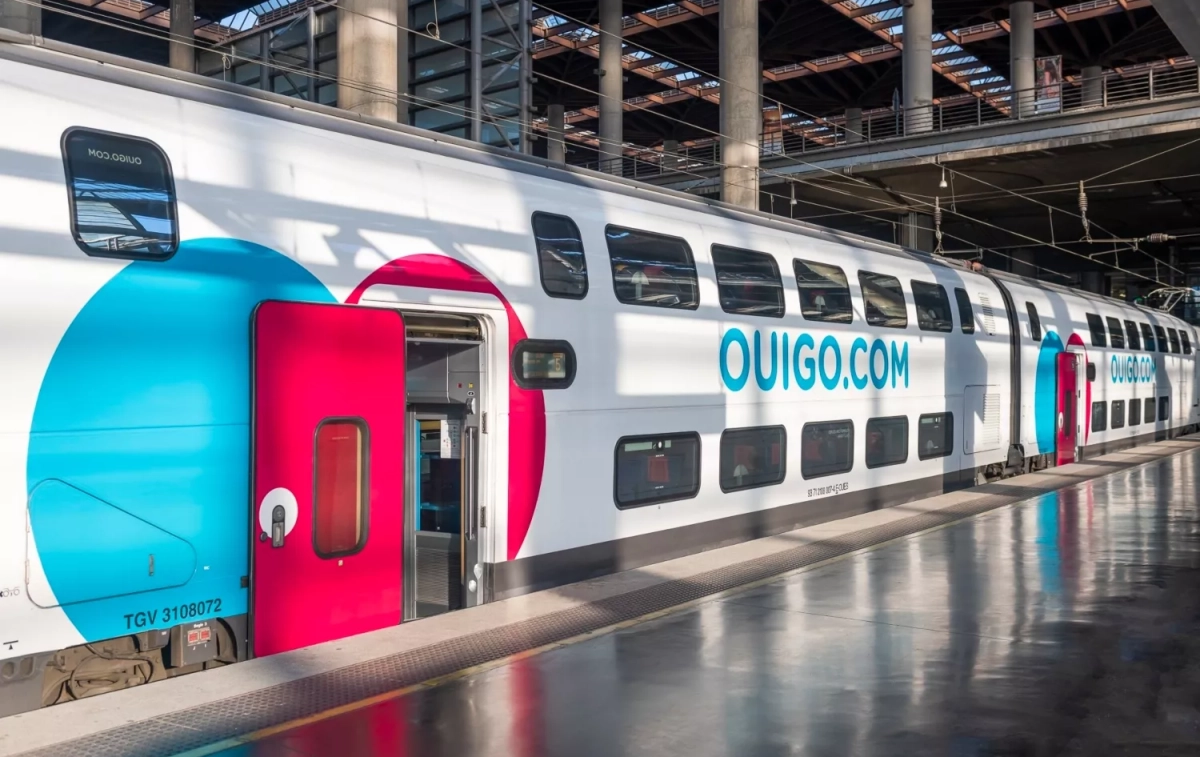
(277, 517)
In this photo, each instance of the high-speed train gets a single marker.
(273, 376)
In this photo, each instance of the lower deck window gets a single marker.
(1164, 408)
(753, 457)
(935, 435)
(887, 441)
(1135, 412)
(1099, 416)
(827, 448)
(653, 469)
(1118, 414)
(340, 508)
(1148, 412)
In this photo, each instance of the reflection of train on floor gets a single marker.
(273, 377)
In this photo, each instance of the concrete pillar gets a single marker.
(918, 66)
(556, 144)
(854, 125)
(1021, 263)
(21, 17)
(612, 87)
(741, 102)
(1021, 57)
(368, 51)
(183, 35)
(1093, 86)
(916, 231)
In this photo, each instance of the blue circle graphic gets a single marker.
(1045, 399)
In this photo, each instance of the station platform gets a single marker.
(1052, 613)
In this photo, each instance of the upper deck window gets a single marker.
(933, 307)
(824, 294)
(966, 315)
(1131, 336)
(560, 256)
(748, 282)
(1160, 336)
(1173, 339)
(1096, 326)
(883, 300)
(652, 269)
(1147, 337)
(122, 196)
(1035, 323)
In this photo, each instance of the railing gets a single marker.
(806, 137)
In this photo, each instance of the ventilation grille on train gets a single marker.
(989, 316)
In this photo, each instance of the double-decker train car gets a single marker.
(274, 376)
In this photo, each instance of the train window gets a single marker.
(752, 457)
(1164, 408)
(1135, 412)
(824, 294)
(543, 364)
(935, 435)
(1096, 326)
(1160, 338)
(933, 307)
(966, 316)
(826, 448)
(748, 282)
(1187, 342)
(887, 441)
(1035, 323)
(1131, 336)
(122, 196)
(1147, 338)
(883, 298)
(653, 469)
(652, 269)
(1148, 410)
(1173, 338)
(560, 256)
(1116, 417)
(1116, 334)
(340, 502)
(1099, 416)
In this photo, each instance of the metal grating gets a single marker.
(241, 715)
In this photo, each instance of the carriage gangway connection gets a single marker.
(1056, 610)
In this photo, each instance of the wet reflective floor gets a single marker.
(1066, 625)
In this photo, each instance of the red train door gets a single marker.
(1066, 406)
(327, 474)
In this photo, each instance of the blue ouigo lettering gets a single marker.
(835, 364)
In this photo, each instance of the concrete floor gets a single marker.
(1065, 625)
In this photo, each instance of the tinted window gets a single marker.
(339, 502)
(1117, 419)
(1132, 338)
(1147, 338)
(1148, 410)
(1099, 416)
(122, 196)
(824, 294)
(560, 256)
(1135, 412)
(543, 364)
(1173, 338)
(1096, 326)
(1186, 341)
(827, 448)
(1115, 333)
(883, 300)
(748, 282)
(966, 317)
(933, 307)
(887, 441)
(651, 269)
(935, 435)
(656, 469)
(752, 457)
(1164, 408)
(1035, 323)
(1160, 338)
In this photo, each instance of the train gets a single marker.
(274, 375)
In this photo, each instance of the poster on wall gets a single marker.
(1049, 84)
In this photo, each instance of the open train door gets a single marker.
(1066, 424)
(328, 473)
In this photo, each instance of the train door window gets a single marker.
(1148, 410)
(561, 260)
(933, 307)
(1131, 336)
(1035, 323)
(887, 441)
(966, 316)
(827, 448)
(1135, 413)
(1147, 338)
(1099, 416)
(652, 469)
(1117, 414)
(122, 196)
(339, 507)
(883, 300)
(1185, 341)
(1160, 338)
(935, 435)
(543, 364)
(1164, 408)
(748, 282)
(1173, 339)
(652, 269)
(1116, 335)
(1096, 326)
(824, 294)
(752, 457)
